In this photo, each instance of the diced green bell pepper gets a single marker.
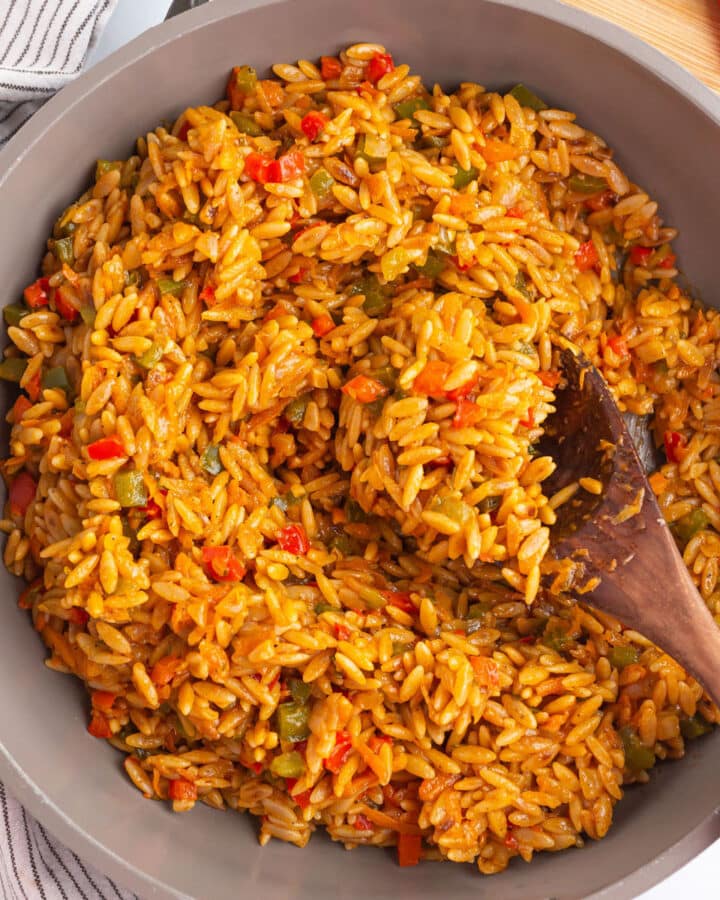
(245, 79)
(292, 722)
(586, 184)
(63, 250)
(87, 314)
(478, 610)
(12, 368)
(556, 639)
(151, 357)
(300, 690)
(433, 266)
(130, 489)
(638, 757)
(694, 727)
(520, 284)
(288, 765)
(321, 183)
(168, 286)
(14, 313)
(433, 142)
(619, 657)
(406, 109)
(377, 296)
(246, 124)
(525, 97)
(56, 378)
(463, 177)
(210, 460)
(294, 412)
(373, 149)
(688, 525)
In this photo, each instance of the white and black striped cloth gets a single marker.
(43, 46)
(33, 866)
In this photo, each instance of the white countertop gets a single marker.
(699, 879)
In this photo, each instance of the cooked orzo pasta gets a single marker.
(272, 477)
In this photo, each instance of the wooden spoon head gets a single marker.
(625, 558)
(588, 438)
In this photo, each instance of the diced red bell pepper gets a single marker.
(675, 444)
(487, 673)
(33, 387)
(78, 616)
(20, 407)
(465, 389)
(511, 842)
(497, 151)
(550, 379)
(36, 294)
(107, 448)
(64, 307)
(298, 277)
(364, 389)
(515, 212)
(640, 255)
(313, 124)
(322, 325)
(362, 823)
(292, 539)
(22, 493)
(466, 413)
(181, 789)
(152, 509)
(340, 753)
(207, 295)
(529, 420)
(600, 201)
(303, 798)
(379, 65)
(266, 170)
(99, 726)
(431, 381)
(667, 262)
(257, 165)
(587, 256)
(409, 847)
(30, 594)
(401, 599)
(184, 128)
(618, 345)
(165, 669)
(103, 700)
(221, 564)
(342, 632)
(330, 68)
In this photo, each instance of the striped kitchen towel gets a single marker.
(33, 866)
(43, 46)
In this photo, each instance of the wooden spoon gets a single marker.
(643, 579)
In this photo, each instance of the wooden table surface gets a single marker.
(687, 30)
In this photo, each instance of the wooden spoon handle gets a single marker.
(685, 629)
